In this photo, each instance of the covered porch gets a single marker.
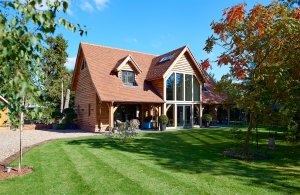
(112, 112)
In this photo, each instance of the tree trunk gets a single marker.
(67, 101)
(21, 129)
(247, 140)
(62, 97)
(228, 116)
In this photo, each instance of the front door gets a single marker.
(184, 116)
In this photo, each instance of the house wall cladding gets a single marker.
(159, 86)
(126, 67)
(103, 117)
(85, 101)
(3, 117)
(183, 65)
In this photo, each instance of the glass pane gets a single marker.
(187, 116)
(188, 87)
(170, 114)
(196, 114)
(196, 90)
(170, 87)
(124, 76)
(130, 77)
(180, 121)
(179, 86)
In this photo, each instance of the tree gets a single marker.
(262, 46)
(24, 27)
(56, 74)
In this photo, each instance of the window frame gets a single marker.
(125, 76)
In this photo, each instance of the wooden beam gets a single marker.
(168, 107)
(110, 114)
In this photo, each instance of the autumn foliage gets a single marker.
(240, 33)
(262, 48)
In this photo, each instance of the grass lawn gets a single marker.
(177, 162)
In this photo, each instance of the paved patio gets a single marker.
(9, 140)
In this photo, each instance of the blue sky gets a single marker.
(155, 26)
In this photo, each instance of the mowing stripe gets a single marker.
(102, 173)
(147, 177)
(72, 180)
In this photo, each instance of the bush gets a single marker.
(207, 118)
(127, 130)
(57, 115)
(61, 127)
(69, 115)
(163, 119)
(148, 118)
(293, 132)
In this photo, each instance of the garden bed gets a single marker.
(4, 174)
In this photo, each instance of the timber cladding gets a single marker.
(85, 101)
(3, 117)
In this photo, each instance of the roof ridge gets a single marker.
(173, 50)
(119, 49)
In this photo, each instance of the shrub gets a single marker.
(207, 118)
(163, 119)
(61, 127)
(57, 115)
(127, 130)
(293, 131)
(69, 115)
(148, 118)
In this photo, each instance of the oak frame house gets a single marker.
(115, 84)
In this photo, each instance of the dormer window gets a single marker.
(128, 78)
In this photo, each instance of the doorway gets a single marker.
(184, 116)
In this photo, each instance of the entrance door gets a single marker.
(184, 116)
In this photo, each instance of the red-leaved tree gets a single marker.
(262, 47)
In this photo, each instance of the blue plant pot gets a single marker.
(148, 125)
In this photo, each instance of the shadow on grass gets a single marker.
(200, 151)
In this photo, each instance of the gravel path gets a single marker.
(9, 140)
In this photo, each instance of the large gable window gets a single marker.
(196, 89)
(128, 77)
(171, 87)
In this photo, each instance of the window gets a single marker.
(128, 78)
(196, 114)
(167, 58)
(171, 87)
(179, 86)
(204, 88)
(196, 89)
(89, 109)
(170, 114)
(83, 65)
(188, 87)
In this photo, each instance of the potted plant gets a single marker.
(163, 121)
(207, 118)
(147, 123)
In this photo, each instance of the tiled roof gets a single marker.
(209, 96)
(102, 60)
(157, 69)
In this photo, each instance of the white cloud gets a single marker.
(101, 4)
(70, 64)
(86, 6)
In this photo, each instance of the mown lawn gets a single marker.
(178, 162)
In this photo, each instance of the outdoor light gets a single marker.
(8, 169)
